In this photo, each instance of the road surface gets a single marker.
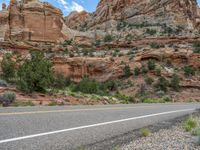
(68, 127)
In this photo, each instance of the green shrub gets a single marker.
(175, 82)
(53, 103)
(127, 71)
(8, 98)
(108, 38)
(150, 100)
(3, 83)
(8, 67)
(190, 123)
(151, 31)
(67, 42)
(145, 132)
(149, 80)
(162, 84)
(35, 74)
(87, 85)
(144, 69)
(60, 81)
(151, 64)
(167, 99)
(136, 71)
(158, 71)
(20, 104)
(156, 45)
(196, 47)
(196, 131)
(189, 71)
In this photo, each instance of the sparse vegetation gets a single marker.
(151, 64)
(145, 132)
(8, 67)
(149, 80)
(108, 38)
(127, 71)
(196, 47)
(175, 82)
(190, 123)
(136, 71)
(189, 71)
(162, 84)
(7, 98)
(156, 45)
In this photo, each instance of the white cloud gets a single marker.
(73, 6)
(76, 7)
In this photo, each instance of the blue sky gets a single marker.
(70, 5)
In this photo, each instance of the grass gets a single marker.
(145, 132)
(23, 104)
(190, 123)
(53, 103)
(196, 131)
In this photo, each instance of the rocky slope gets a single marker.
(153, 12)
(120, 34)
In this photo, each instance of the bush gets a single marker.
(67, 42)
(149, 80)
(196, 47)
(151, 64)
(127, 71)
(3, 83)
(190, 123)
(156, 45)
(35, 74)
(151, 31)
(88, 86)
(162, 84)
(108, 38)
(196, 131)
(189, 71)
(145, 132)
(158, 71)
(136, 71)
(8, 67)
(175, 82)
(8, 98)
(60, 81)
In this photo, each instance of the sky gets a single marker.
(71, 5)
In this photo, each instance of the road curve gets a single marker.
(68, 127)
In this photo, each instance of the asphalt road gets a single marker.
(68, 127)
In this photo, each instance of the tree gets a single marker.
(60, 81)
(8, 67)
(196, 47)
(162, 84)
(189, 71)
(149, 80)
(127, 71)
(35, 74)
(175, 82)
(108, 38)
(137, 71)
(88, 86)
(151, 64)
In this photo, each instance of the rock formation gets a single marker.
(31, 20)
(76, 19)
(171, 12)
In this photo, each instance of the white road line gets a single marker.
(89, 126)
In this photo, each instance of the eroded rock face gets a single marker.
(101, 69)
(32, 20)
(76, 19)
(4, 25)
(170, 12)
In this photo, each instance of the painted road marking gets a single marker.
(89, 126)
(69, 110)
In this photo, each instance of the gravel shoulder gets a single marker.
(168, 135)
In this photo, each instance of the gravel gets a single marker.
(174, 138)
